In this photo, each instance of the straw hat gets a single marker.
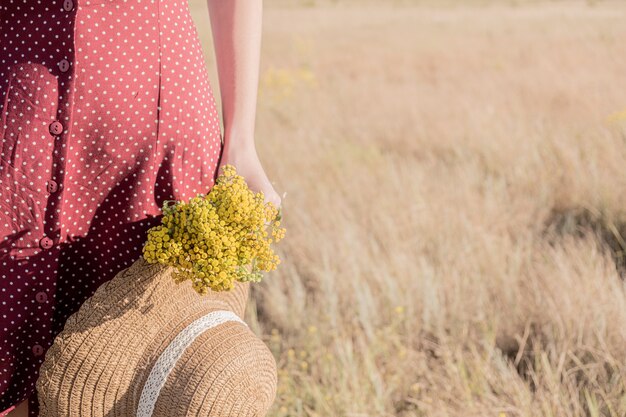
(144, 345)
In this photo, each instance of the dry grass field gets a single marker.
(455, 209)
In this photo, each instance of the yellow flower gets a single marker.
(217, 238)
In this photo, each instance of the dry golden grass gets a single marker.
(455, 210)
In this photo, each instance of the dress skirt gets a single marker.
(107, 111)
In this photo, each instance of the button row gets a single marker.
(64, 64)
(55, 128)
(41, 297)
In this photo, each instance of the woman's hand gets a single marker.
(243, 156)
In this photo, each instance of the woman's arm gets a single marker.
(236, 28)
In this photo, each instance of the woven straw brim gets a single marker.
(99, 363)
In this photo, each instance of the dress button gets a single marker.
(56, 128)
(68, 5)
(51, 186)
(64, 65)
(41, 297)
(37, 350)
(45, 242)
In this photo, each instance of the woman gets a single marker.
(107, 111)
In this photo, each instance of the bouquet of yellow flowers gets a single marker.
(218, 237)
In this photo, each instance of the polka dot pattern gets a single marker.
(107, 111)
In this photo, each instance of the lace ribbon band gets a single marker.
(167, 360)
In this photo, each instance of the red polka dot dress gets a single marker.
(107, 111)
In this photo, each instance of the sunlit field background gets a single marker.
(455, 210)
